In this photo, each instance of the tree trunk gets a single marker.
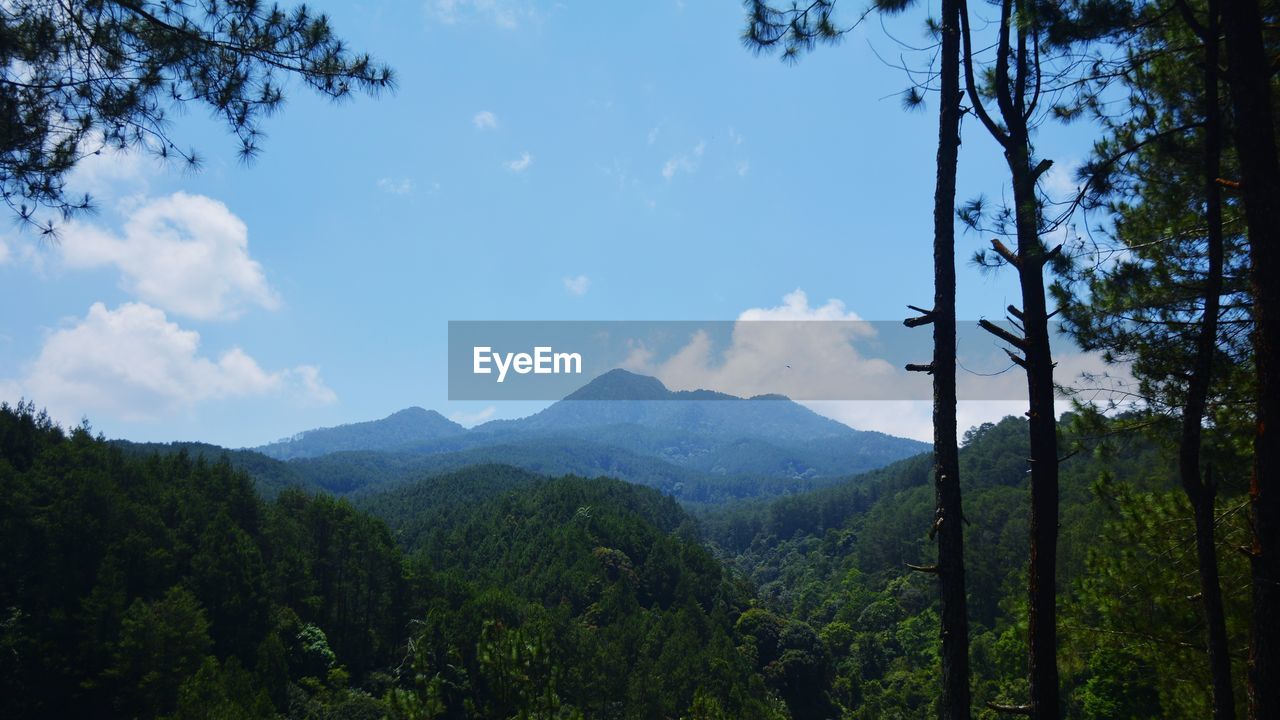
(1043, 431)
(949, 522)
(1201, 490)
(1249, 80)
(1012, 93)
(1042, 610)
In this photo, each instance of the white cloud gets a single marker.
(991, 395)
(132, 363)
(735, 137)
(1059, 181)
(744, 167)
(4, 251)
(187, 254)
(795, 306)
(308, 386)
(506, 14)
(914, 418)
(111, 177)
(653, 134)
(577, 285)
(687, 163)
(470, 419)
(396, 186)
(798, 358)
(485, 120)
(521, 163)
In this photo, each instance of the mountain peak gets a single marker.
(619, 384)
(401, 428)
(413, 412)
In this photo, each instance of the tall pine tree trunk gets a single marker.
(1043, 430)
(1200, 488)
(949, 523)
(1016, 97)
(1249, 80)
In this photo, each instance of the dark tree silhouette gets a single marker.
(1200, 487)
(1249, 77)
(1161, 306)
(800, 29)
(1017, 84)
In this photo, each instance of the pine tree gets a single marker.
(80, 77)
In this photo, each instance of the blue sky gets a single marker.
(559, 161)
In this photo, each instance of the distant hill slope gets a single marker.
(412, 425)
(619, 397)
(362, 472)
(707, 432)
(270, 475)
(700, 446)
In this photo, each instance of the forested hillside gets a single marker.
(835, 562)
(406, 427)
(163, 586)
(160, 584)
(599, 589)
(698, 446)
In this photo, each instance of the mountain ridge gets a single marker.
(619, 424)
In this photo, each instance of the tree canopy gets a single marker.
(87, 75)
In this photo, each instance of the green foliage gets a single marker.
(163, 585)
(834, 560)
(161, 644)
(555, 597)
(81, 77)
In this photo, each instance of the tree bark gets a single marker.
(1043, 432)
(1249, 82)
(1200, 489)
(1030, 258)
(949, 522)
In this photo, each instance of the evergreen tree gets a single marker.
(83, 76)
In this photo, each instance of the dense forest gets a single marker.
(615, 556)
(163, 585)
(836, 560)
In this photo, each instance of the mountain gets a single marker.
(408, 426)
(698, 446)
(363, 472)
(710, 432)
(619, 397)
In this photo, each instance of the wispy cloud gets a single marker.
(521, 163)
(577, 285)
(485, 120)
(396, 186)
(687, 163)
(506, 14)
(1060, 183)
(470, 419)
